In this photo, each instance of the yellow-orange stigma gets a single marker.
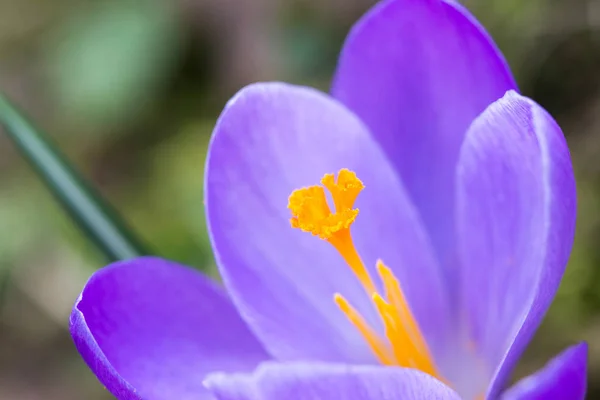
(403, 344)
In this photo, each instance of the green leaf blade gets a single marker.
(87, 208)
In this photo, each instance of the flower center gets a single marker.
(403, 344)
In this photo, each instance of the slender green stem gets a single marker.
(86, 206)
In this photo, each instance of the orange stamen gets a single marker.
(345, 246)
(409, 337)
(403, 343)
(379, 347)
(311, 213)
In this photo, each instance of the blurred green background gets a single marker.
(130, 91)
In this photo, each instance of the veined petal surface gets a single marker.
(152, 329)
(418, 72)
(516, 207)
(305, 381)
(271, 139)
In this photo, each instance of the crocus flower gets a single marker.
(432, 291)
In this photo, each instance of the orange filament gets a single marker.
(403, 343)
(378, 345)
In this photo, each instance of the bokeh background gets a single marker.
(130, 91)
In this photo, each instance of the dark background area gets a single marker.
(130, 91)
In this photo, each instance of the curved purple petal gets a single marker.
(418, 72)
(152, 329)
(305, 381)
(516, 206)
(273, 138)
(564, 377)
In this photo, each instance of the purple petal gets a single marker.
(271, 139)
(152, 329)
(565, 377)
(418, 72)
(516, 218)
(329, 381)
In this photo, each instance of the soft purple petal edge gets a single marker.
(561, 230)
(327, 381)
(465, 12)
(563, 377)
(96, 360)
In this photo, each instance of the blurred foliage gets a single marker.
(108, 61)
(130, 91)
